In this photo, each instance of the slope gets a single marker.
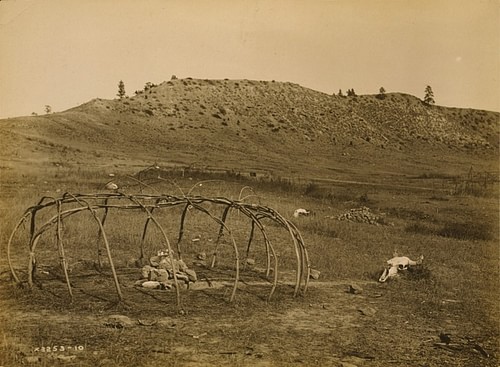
(273, 127)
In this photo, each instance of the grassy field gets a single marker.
(397, 323)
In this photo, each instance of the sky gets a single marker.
(63, 53)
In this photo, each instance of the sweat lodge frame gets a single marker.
(71, 204)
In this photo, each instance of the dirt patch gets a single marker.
(329, 326)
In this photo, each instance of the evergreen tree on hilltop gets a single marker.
(121, 89)
(381, 93)
(429, 96)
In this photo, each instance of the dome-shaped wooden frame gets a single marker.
(71, 204)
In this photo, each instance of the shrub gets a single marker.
(418, 272)
(467, 231)
(313, 190)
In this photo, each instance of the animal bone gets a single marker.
(299, 212)
(398, 263)
(111, 186)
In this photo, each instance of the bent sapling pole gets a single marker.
(99, 206)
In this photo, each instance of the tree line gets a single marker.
(428, 94)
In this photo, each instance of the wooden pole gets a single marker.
(60, 247)
(221, 233)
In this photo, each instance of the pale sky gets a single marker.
(63, 53)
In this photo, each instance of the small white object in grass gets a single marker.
(301, 212)
(111, 186)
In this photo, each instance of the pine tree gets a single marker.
(381, 93)
(429, 96)
(121, 89)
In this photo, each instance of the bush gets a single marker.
(467, 231)
(418, 272)
(312, 189)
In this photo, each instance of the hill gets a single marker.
(270, 127)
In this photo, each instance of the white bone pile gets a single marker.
(361, 215)
(398, 263)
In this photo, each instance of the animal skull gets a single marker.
(398, 263)
(301, 212)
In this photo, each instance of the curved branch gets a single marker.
(9, 243)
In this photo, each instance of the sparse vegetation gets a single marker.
(148, 86)
(413, 189)
(471, 230)
(351, 93)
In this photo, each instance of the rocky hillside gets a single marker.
(261, 124)
(307, 114)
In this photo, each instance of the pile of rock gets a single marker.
(362, 215)
(159, 274)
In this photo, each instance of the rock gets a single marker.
(155, 261)
(348, 364)
(314, 274)
(146, 270)
(182, 277)
(367, 311)
(166, 285)
(119, 320)
(181, 265)
(354, 289)
(161, 275)
(251, 262)
(153, 275)
(191, 275)
(166, 264)
(151, 284)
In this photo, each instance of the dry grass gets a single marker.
(451, 292)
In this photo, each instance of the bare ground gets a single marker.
(329, 326)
